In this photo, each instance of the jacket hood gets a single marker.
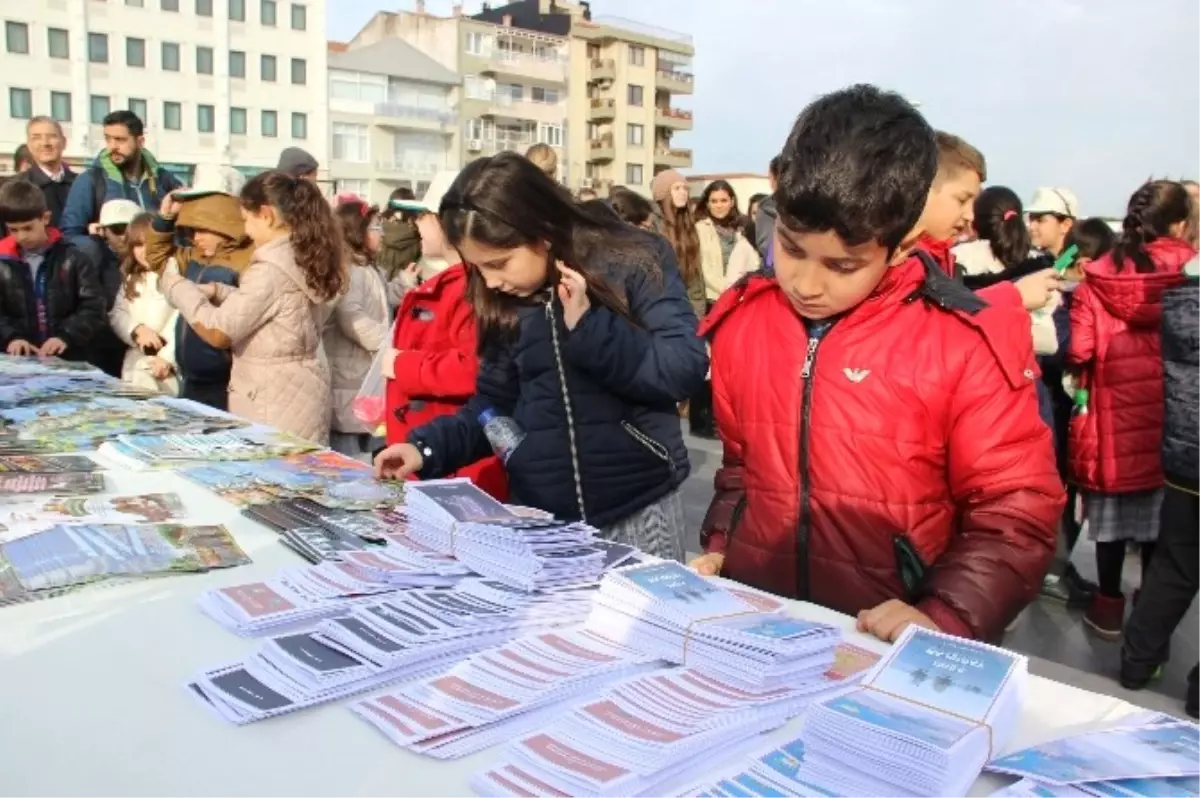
(279, 253)
(10, 251)
(976, 257)
(114, 173)
(1134, 297)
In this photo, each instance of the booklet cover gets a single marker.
(909, 720)
(66, 484)
(1155, 751)
(49, 464)
(25, 518)
(682, 589)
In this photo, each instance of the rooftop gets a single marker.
(394, 58)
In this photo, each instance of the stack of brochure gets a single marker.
(140, 452)
(455, 517)
(18, 519)
(925, 721)
(669, 611)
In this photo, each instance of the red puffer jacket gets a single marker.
(909, 427)
(1116, 447)
(435, 370)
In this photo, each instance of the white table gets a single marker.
(92, 699)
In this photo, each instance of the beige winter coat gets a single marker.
(272, 321)
(148, 307)
(976, 257)
(719, 275)
(357, 328)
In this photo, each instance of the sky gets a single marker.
(1091, 95)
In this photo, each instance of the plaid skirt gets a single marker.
(1123, 516)
(656, 529)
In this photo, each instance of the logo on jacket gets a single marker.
(856, 375)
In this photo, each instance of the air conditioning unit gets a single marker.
(587, 182)
(474, 145)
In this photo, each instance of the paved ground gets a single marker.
(1055, 637)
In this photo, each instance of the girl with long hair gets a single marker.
(273, 320)
(678, 226)
(142, 318)
(587, 342)
(1116, 343)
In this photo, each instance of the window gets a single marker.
(237, 64)
(237, 121)
(550, 134)
(170, 5)
(547, 96)
(299, 126)
(98, 108)
(266, 13)
(351, 143)
(299, 17)
(204, 8)
(135, 52)
(58, 42)
(635, 95)
(299, 71)
(637, 55)
(98, 48)
(16, 35)
(478, 43)
(267, 68)
(139, 108)
(633, 174)
(634, 135)
(204, 60)
(136, 3)
(170, 57)
(358, 187)
(511, 91)
(237, 10)
(270, 124)
(172, 116)
(60, 106)
(20, 103)
(206, 118)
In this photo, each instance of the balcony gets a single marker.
(405, 170)
(505, 106)
(602, 109)
(674, 81)
(673, 118)
(674, 158)
(602, 69)
(524, 65)
(601, 149)
(505, 144)
(408, 116)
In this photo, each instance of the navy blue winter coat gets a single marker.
(623, 383)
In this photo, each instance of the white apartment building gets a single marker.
(394, 117)
(231, 82)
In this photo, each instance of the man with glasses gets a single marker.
(46, 142)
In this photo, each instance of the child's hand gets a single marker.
(159, 368)
(1038, 289)
(389, 364)
(707, 564)
(572, 290)
(146, 339)
(398, 461)
(411, 275)
(53, 347)
(21, 348)
(170, 206)
(891, 618)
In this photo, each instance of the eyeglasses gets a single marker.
(117, 229)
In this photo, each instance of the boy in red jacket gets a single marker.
(884, 457)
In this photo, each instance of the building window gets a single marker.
(98, 48)
(266, 13)
(511, 91)
(550, 134)
(270, 124)
(635, 95)
(204, 60)
(237, 10)
(547, 96)
(478, 43)
(99, 107)
(204, 8)
(135, 52)
(357, 187)
(170, 5)
(237, 64)
(299, 126)
(172, 116)
(299, 17)
(633, 174)
(20, 103)
(16, 36)
(206, 118)
(299, 71)
(139, 108)
(170, 57)
(267, 68)
(136, 3)
(351, 143)
(637, 55)
(60, 106)
(635, 135)
(58, 43)
(237, 121)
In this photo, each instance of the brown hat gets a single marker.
(660, 186)
(217, 213)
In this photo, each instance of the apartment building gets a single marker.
(394, 116)
(231, 82)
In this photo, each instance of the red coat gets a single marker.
(435, 370)
(919, 423)
(1116, 447)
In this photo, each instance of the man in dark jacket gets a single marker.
(50, 300)
(46, 142)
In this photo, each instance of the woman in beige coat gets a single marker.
(274, 319)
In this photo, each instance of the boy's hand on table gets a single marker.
(889, 620)
(707, 564)
(21, 348)
(53, 347)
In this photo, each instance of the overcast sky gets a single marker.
(1094, 95)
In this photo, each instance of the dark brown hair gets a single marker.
(956, 155)
(131, 270)
(505, 201)
(1152, 210)
(679, 228)
(734, 219)
(355, 219)
(21, 201)
(631, 206)
(316, 240)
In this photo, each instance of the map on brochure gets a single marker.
(327, 478)
(24, 518)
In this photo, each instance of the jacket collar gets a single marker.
(38, 176)
(10, 251)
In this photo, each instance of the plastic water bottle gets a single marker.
(503, 433)
(1081, 401)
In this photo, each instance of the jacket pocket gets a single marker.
(649, 444)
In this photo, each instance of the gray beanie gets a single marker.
(296, 162)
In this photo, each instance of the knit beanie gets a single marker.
(660, 186)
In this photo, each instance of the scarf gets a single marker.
(149, 169)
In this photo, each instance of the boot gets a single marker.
(1106, 615)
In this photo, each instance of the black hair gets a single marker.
(1152, 210)
(1000, 220)
(859, 162)
(631, 206)
(773, 166)
(22, 157)
(402, 193)
(734, 219)
(131, 121)
(1093, 237)
(755, 199)
(21, 201)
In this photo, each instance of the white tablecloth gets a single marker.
(92, 698)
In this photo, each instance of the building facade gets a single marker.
(230, 82)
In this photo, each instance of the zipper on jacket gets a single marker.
(649, 444)
(562, 381)
(804, 522)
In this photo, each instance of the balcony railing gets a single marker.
(674, 113)
(397, 111)
(506, 144)
(601, 149)
(602, 69)
(669, 156)
(408, 168)
(603, 108)
(642, 28)
(675, 75)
